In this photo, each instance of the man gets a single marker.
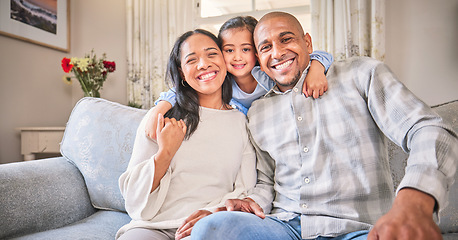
(323, 170)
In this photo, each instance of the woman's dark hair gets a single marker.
(187, 100)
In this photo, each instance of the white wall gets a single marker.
(31, 89)
(422, 47)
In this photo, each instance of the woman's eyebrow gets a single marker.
(189, 54)
(206, 49)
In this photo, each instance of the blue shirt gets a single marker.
(242, 100)
(325, 159)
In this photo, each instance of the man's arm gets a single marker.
(432, 147)
(411, 217)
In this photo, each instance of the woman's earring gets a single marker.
(182, 83)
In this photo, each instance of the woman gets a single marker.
(202, 155)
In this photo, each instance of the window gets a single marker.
(213, 13)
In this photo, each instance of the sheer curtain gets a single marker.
(347, 28)
(152, 28)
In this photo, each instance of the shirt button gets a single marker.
(307, 180)
(295, 89)
(306, 150)
(304, 205)
(299, 118)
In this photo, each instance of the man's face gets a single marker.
(283, 50)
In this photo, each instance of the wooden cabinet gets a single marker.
(40, 140)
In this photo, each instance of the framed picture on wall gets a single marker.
(43, 22)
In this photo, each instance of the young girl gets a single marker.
(248, 81)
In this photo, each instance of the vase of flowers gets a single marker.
(90, 71)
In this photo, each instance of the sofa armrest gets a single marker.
(40, 195)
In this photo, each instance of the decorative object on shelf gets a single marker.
(90, 71)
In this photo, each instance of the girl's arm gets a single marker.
(315, 81)
(170, 134)
(151, 123)
(165, 102)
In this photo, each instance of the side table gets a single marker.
(40, 140)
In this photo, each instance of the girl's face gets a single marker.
(202, 65)
(238, 51)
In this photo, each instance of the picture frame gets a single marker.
(42, 22)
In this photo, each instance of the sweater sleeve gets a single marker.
(136, 182)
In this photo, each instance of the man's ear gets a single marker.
(308, 43)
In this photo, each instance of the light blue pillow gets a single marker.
(98, 139)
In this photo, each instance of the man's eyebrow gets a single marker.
(262, 43)
(285, 33)
(280, 35)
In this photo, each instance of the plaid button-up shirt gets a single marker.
(326, 159)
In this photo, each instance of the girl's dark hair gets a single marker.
(247, 22)
(187, 100)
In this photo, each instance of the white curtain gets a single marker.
(152, 28)
(347, 28)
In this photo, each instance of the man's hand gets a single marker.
(186, 228)
(409, 218)
(245, 205)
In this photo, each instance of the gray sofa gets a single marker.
(77, 197)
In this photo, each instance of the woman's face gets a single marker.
(202, 65)
(238, 51)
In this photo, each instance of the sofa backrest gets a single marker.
(98, 139)
(398, 162)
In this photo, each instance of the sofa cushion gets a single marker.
(448, 217)
(40, 195)
(100, 226)
(98, 139)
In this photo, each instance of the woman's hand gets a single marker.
(186, 228)
(170, 134)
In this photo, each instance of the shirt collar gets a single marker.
(276, 91)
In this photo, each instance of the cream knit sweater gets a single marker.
(217, 163)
